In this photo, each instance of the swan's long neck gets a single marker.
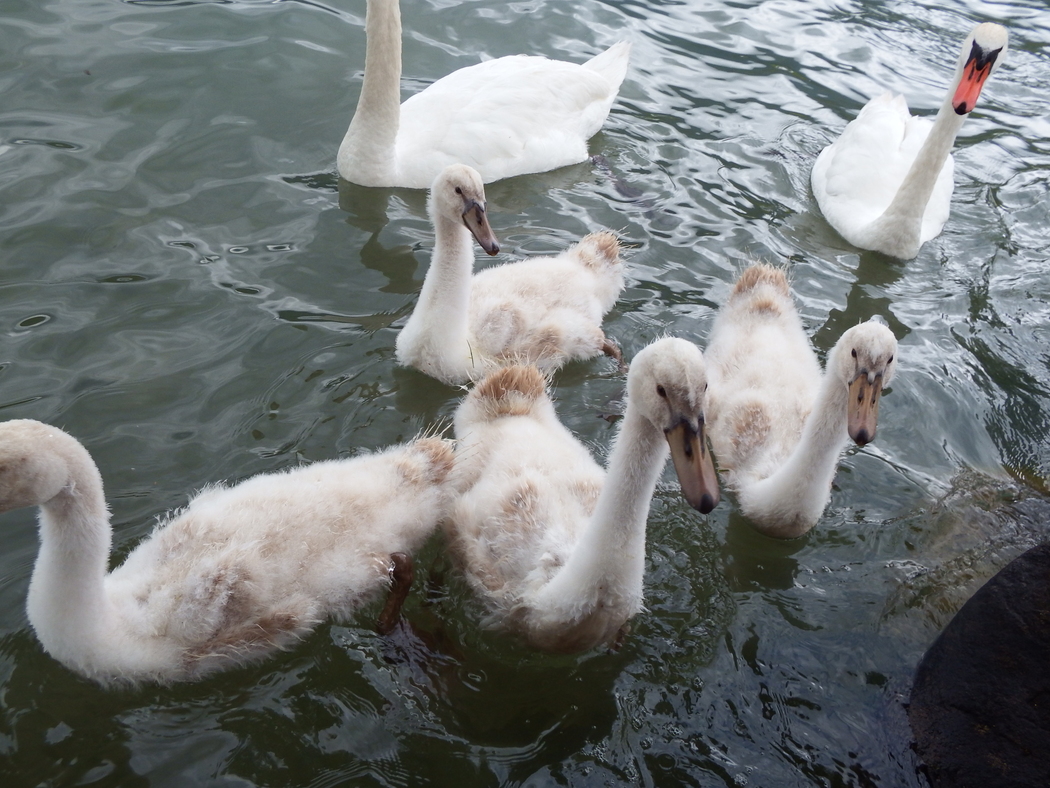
(901, 222)
(367, 149)
(915, 190)
(789, 502)
(605, 571)
(67, 603)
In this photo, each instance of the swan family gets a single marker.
(550, 541)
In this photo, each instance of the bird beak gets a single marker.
(694, 465)
(863, 409)
(975, 72)
(478, 223)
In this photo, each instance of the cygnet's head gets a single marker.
(982, 52)
(458, 195)
(33, 463)
(667, 384)
(865, 360)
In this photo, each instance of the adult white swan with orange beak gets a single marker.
(886, 183)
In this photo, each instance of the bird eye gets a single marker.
(705, 387)
(661, 391)
(890, 361)
(459, 190)
(854, 352)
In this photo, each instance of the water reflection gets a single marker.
(366, 208)
(398, 264)
(63, 719)
(754, 561)
(874, 278)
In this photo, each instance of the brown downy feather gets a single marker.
(756, 276)
(762, 273)
(432, 463)
(599, 250)
(510, 391)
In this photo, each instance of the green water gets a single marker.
(187, 287)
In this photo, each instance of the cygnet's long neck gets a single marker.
(67, 604)
(789, 502)
(608, 562)
(368, 147)
(444, 299)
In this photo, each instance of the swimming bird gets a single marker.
(553, 544)
(777, 424)
(239, 572)
(886, 183)
(541, 310)
(509, 116)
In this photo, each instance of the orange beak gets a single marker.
(975, 74)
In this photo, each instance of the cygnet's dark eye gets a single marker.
(705, 387)
(661, 391)
(890, 361)
(460, 191)
(854, 352)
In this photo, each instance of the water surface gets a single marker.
(187, 287)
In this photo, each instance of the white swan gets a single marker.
(504, 117)
(886, 183)
(776, 427)
(541, 310)
(241, 571)
(555, 545)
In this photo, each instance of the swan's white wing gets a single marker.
(504, 117)
(856, 177)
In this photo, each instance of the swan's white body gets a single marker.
(886, 183)
(241, 571)
(542, 310)
(555, 545)
(777, 425)
(504, 117)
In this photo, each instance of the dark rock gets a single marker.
(980, 704)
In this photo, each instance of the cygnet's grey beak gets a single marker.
(694, 465)
(478, 223)
(863, 408)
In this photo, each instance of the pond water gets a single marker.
(188, 288)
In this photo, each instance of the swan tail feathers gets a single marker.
(761, 274)
(612, 63)
(765, 290)
(510, 391)
(599, 250)
(429, 462)
(891, 104)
